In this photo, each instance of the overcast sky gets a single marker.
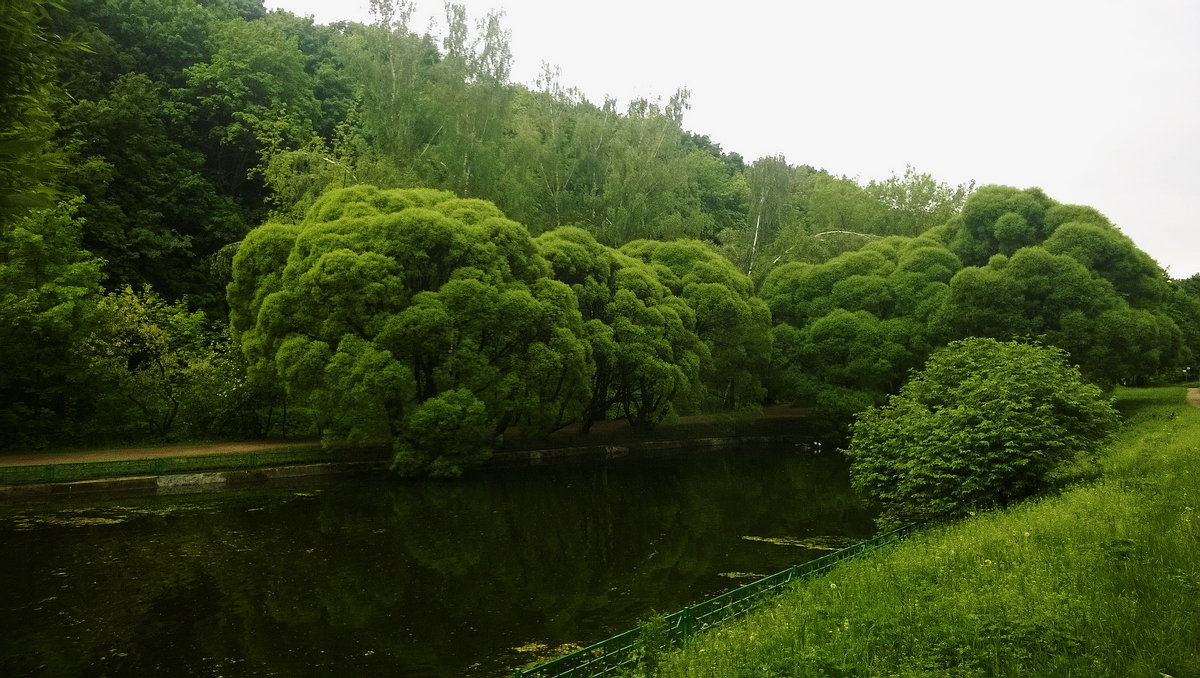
(1095, 101)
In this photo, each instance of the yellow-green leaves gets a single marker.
(648, 360)
(415, 316)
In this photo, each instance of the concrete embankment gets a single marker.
(180, 483)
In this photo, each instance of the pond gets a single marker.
(366, 576)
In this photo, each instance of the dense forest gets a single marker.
(218, 221)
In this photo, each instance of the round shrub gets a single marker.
(984, 424)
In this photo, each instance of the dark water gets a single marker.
(378, 577)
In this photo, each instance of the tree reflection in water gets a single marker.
(373, 576)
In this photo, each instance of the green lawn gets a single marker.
(1101, 581)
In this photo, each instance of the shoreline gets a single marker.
(1099, 580)
(217, 479)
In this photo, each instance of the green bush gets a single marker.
(983, 425)
(445, 434)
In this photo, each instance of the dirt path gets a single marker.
(123, 454)
(604, 432)
(1193, 397)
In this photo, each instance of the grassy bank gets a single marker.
(1101, 581)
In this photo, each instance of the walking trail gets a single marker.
(191, 450)
(605, 432)
(123, 454)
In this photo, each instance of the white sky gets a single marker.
(1095, 101)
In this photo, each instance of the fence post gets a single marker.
(49, 473)
(685, 625)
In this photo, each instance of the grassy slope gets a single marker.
(1101, 581)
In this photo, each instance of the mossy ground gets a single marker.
(1103, 580)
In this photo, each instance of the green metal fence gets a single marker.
(611, 656)
(62, 473)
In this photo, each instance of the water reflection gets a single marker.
(369, 576)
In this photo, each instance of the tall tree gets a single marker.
(850, 329)
(151, 212)
(475, 100)
(770, 182)
(915, 202)
(28, 53)
(648, 359)
(49, 287)
(393, 71)
(733, 323)
(412, 315)
(48, 283)
(251, 97)
(1057, 300)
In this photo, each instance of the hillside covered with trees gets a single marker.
(217, 221)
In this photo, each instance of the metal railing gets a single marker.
(612, 655)
(231, 461)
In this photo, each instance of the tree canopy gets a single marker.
(530, 259)
(642, 338)
(411, 315)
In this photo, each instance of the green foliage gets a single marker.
(296, 178)
(172, 118)
(1190, 286)
(983, 425)
(251, 97)
(851, 328)
(49, 287)
(217, 399)
(158, 38)
(800, 214)
(148, 353)
(152, 212)
(1111, 255)
(27, 54)
(770, 184)
(916, 202)
(1059, 273)
(332, 86)
(446, 433)
(82, 367)
(448, 118)
(397, 313)
(648, 359)
(839, 204)
(1059, 301)
(1183, 308)
(732, 322)
(998, 220)
(186, 121)
(653, 641)
(1100, 581)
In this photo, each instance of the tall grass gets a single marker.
(1100, 581)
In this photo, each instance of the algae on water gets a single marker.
(819, 543)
